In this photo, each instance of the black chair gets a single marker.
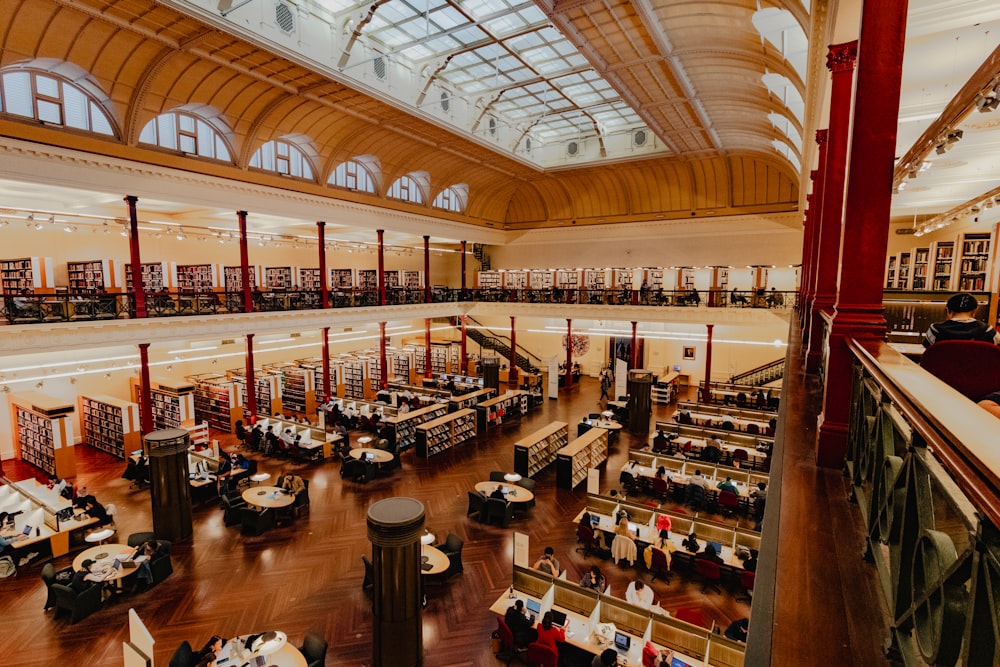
(627, 482)
(301, 503)
(369, 580)
(497, 476)
(452, 548)
(696, 497)
(183, 656)
(49, 577)
(477, 505)
(161, 566)
(253, 522)
(529, 484)
(138, 539)
(231, 510)
(313, 649)
(497, 508)
(80, 605)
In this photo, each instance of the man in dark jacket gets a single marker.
(961, 323)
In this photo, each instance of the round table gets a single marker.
(519, 493)
(379, 456)
(435, 558)
(286, 656)
(106, 553)
(607, 425)
(99, 535)
(268, 496)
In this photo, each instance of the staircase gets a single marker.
(488, 340)
(479, 252)
(761, 375)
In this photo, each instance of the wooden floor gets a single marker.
(308, 576)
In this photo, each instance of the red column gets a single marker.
(569, 353)
(512, 376)
(817, 221)
(866, 223)
(383, 373)
(427, 348)
(840, 60)
(427, 269)
(326, 365)
(251, 382)
(706, 395)
(145, 395)
(632, 363)
(465, 357)
(381, 267)
(807, 230)
(245, 264)
(324, 280)
(138, 288)
(463, 270)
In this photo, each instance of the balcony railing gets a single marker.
(77, 306)
(924, 463)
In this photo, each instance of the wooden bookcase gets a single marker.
(342, 278)
(367, 279)
(309, 279)
(373, 366)
(198, 278)
(354, 378)
(216, 402)
(890, 271)
(903, 270)
(439, 359)
(623, 278)
(471, 399)
(974, 263)
(154, 276)
(412, 279)
(172, 401)
(494, 411)
(43, 432)
(233, 278)
(515, 279)
(575, 459)
(438, 435)
(298, 392)
(921, 262)
(536, 451)
(279, 277)
(110, 424)
(268, 392)
(489, 279)
(26, 275)
(405, 425)
(567, 278)
(96, 275)
(943, 253)
(540, 279)
(315, 365)
(392, 279)
(595, 279)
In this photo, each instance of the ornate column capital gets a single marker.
(842, 57)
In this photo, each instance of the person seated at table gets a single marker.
(241, 432)
(498, 493)
(728, 423)
(639, 594)
(728, 485)
(606, 658)
(683, 416)
(7, 520)
(96, 510)
(712, 451)
(82, 496)
(209, 652)
(697, 479)
(344, 445)
(271, 442)
(710, 554)
(750, 564)
(351, 415)
(594, 580)
(286, 441)
(520, 624)
(255, 437)
(293, 483)
(88, 575)
(690, 543)
(961, 323)
(737, 630)
(404, 407)
(150, 550)
(660, 442)
(548, 563)
(736, 298)
(549, 634)
(223, 472)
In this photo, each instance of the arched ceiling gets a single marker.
(150, 58)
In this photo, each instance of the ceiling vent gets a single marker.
(573, 148)
(445, 102)
(493, 126)
(379, 66)
(284, 17)
(527, 144)
(639, 138)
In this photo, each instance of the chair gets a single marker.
(112, 511)
(369, 580)
(497, 476)
(253, 522)
(753, 429)
(452, 548)
(231, 510)
(477, 505)
(660, 488)
(313, 649)
(623, 547)
(49, 577)
(497, 508)
(587, 539)
(138, 539)
(747, 579)
(627, 481)
(529, 484)
(692, 616)
(183, 656)
(729, 502)
(695, 496)
(951, 360)
(508, 649)
(740, 457)
(161, 566)
(80, 605)
(659, 564)
(710, 573)
(540, 655)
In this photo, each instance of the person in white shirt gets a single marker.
(699, 480)
(404, 407)
(639, 594)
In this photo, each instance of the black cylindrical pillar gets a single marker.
(170, 493)
(640, 388)
(394, 528)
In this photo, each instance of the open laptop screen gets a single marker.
(622, 641)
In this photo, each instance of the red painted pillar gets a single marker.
(245, 263)
(512, 377)
(463, 270)
(324, 280)
(465, 357)
(381, 267)
(569, 353)
(632, 363)
(706, 394)
(807, 230)
(383, 373)
(840, 60)
(427, 348)
(251, 383)
(819, 180)
(326, 365)
(145, 395)
(427, 269)
(866, 223)
(138, 288)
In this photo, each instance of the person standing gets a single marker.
(605, 385)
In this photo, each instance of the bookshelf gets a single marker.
(268, 392)
(195, 277)
(342, 278)
(412, 279)
(685, 279)
(575, 459)
(315, 365)
(890, 272)
(172, 402)
(437, 435)
(401, 365)
(96, 275)
(216, 402)
(536, 451)
(309, 279)
(405, 425)
(921, 258)
(471, 399)
(25, 275)
(233, 277)
(943, 253)
(279, 277)
(903, 271)
(298, 392)
(392, 279)
(489, 280)
(623, 278)
(494, 411)
(367, 279)
(43, 432)
(439, 359)
(374, 368)
(110, 425)
(567, 279)
(655, 278)
(515, 279)
(153, 276)
(540, 279)
(974, 262)
(595, 278)
(419, 359)
(199, 434)
(354, 378)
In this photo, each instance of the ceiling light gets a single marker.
(180, 234)
(3, 223)
(69, 228)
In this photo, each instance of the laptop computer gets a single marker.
(370, 457)
(505, 489)
(558, 618)
(595, 520)
(622, 641)
(677, 662)
(717, 545)
(534, 606)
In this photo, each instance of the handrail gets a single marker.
(503, 339)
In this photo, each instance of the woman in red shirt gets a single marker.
(550, 634)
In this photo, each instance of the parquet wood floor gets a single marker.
(307, 576)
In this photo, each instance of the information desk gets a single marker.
(585, 610)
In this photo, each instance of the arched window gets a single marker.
(788, 153)
(361, 173)
(787, 128)
(786, 92)
(285, 155)
(57, 93)
(410, 187)
(779, 27)
(192, 129)
(454, 198)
